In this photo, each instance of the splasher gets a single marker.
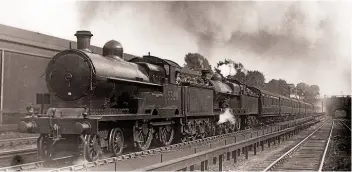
(227, 116)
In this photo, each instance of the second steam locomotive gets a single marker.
(103, 102)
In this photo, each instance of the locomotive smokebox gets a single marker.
(83, 39)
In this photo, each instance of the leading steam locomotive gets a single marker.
(103, 102)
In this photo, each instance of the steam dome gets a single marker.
(113, 48)
(216, 77)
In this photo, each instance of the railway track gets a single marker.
(19, 156)
(10, 143)
(339, 154)
(154, 156)
(222, 153)
(309, 154)
(8, 128)
(343, 123)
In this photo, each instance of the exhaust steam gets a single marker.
(227, 116)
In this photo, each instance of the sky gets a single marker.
(307, 41)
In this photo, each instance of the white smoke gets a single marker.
(79, 161)
(227, 116)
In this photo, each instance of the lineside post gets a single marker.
(220, 162)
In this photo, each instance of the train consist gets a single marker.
(105, 103)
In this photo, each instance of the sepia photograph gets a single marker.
(175, 85)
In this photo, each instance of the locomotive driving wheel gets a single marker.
(212, 130)
(187, 138)
(202, 131)
(143, 135)
(44, 146)
(248, 123)
(220, 129)
(116, 141)
(238, 124)
(92, 148)
(226, 127)
(166, 134)
(232, 127)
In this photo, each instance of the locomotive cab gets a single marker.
(161, 71)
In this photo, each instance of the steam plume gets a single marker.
(227, 116)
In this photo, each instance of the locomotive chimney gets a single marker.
(83, 39)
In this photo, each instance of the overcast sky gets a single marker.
(296, 41)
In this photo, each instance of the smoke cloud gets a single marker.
(257, 27)
(227, 116)
(296, 41)
(302, 40)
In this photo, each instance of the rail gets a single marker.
(19, 139)
(32, 165)
(326, 149)
(163, 154)
(8, 128)
(203, 157)
(298, 145)
(345, 125)
(5, 143)
(18, 156)
(17, 152)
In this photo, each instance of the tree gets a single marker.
(196, 61)
(255, 78)
(315, 90)
(301, 89)
(284, 88)
(292, 90)
(307, 93)
(252, 78)
(238, 67)
(272, 86)
(311, 93)
(239, 76)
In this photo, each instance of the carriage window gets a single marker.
(167, 69)
(268, 101)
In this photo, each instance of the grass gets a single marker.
(339, 154)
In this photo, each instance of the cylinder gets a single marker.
(82, 127)
(26, 127)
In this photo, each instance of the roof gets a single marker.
(172, 63)
(35, 39)
(155, 60)
(278, 95)
(269, 93)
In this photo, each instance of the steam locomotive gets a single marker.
(105, 103)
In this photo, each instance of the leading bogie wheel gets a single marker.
(44, 147)
(116, 141)
(92, 148)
